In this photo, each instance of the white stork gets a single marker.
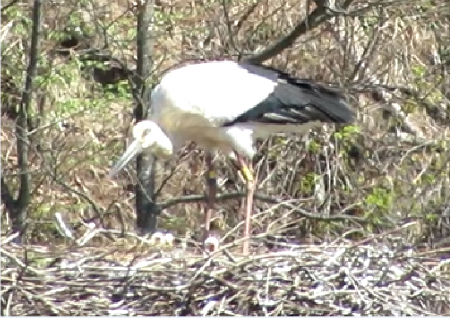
(226, 105)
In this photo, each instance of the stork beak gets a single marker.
(132, 151)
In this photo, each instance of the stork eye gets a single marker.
(145, 132)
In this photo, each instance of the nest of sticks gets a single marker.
(342, 278)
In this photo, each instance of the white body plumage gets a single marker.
(194, 109)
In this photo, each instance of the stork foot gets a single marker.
(160, 239)
(211, 243)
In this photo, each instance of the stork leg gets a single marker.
(250, 183)
(211, 183)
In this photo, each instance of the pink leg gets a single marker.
(211, 183)
(250, 183)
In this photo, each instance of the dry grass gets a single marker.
(312, 190)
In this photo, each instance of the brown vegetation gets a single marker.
(381, 186)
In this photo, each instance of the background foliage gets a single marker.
(386, 176)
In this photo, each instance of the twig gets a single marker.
(19, 263)
(221, 197)
(62, 226)
(245, 16)
(10, 4)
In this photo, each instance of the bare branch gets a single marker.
(222, 197)
(6, 6)
(238, 24)
(231, 34)
(319, 15)
(266, 199)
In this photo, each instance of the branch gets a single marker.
(228, 23)
(319, 15)
(266, 199)
(221, 197)
(245, 16)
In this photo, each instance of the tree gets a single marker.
(17, 207)
(146, 207)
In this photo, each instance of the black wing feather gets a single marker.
(295, 101)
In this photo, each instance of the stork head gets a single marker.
(147, 136)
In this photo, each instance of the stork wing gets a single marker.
(295, 101)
